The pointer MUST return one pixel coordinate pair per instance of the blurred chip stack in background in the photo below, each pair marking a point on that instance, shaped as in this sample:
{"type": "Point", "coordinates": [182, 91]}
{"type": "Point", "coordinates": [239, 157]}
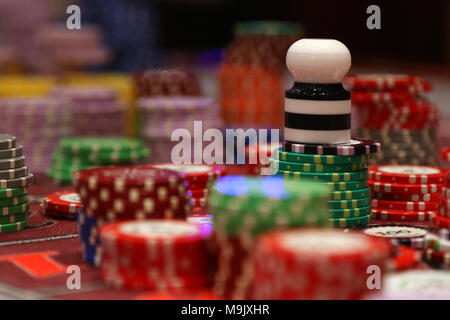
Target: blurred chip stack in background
{"type": "Point", "coordinates": [394, 111]}
{"type": "Point", "coordinates": [26, 85]}
{"type": "Point", "coordinates": [251, 77]}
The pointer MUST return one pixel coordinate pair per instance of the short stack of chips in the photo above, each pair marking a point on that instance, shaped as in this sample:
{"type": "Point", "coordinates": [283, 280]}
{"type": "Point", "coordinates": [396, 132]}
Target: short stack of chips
{"type": "Point", "coordinates": [315, 264]}
{"type": "Point", "coordinates": [43, 122]}
{"type": "Point", "coordinates": [437, 251]}
{"type": "Point", "coordinates": [75, 153]}
{"type": "Point", "coordinates": [155, 255]}
{"type": "Point", "coordinates": [393, 111]}
{"type": "Point", "coordinates": [406, 194]}
{"type": "Point", "coordinates": [96, 110]}
{"type": "Point", "coordinates": [161, 116]}
{"type": "Point", "coordinates": [245, 207]}
{"type": "Point", "coordinates": [61, 205]}
{"type": "Point", "coordinates": [14, 181]}
{"type": "Point", "coordinates": [125, 193]}
{"type": "Point", "coordinates": [199, 179]}
{"type": "Point", "coordinates": [251, 76]}
{"type": "Point", "coordinates": [318, 143]}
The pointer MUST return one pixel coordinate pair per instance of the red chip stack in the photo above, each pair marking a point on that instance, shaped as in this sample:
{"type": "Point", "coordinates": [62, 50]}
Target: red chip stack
{"type": "Point", "coordinates": [257, 158]}
{"type": "Point", "coordinates": [154, 254]}
{"type": "Point", "coordinates": [393, 110]}
{"type": "Point", "coordinates": [443, 218]}
{"type": "Point", "coordinates": [295, 264]}
{"type": "Point", "coordinates": [405, 194]}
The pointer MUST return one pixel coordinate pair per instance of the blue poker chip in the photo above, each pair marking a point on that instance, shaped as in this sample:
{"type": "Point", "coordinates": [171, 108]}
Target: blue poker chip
{"type": "Point", "coordinates": [89, 238]}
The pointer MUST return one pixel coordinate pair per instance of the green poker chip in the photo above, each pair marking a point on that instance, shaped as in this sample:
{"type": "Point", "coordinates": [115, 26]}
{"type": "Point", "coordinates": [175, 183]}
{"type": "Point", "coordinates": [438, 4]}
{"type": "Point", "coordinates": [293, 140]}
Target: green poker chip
{"type": "Point", "coordinates": [348, 204]}
{"type": "Point", "coordinates": [350, 222]}
{"type": "Point", "coordinates": [350, 213]}
{"type": "Point", "coordinates": [14, 218]}
{"type": "Point", "coordinates": [12, 192]}
{"type": "Point", "coordinates": [21, 208]}
{"type": "Point", "coordinates": [315, 168]}
{"type": "Point", "coordinates": [350, 194]}
{"type": "Point", "coordinates": [326, 177]}
{"type": "Point", "coordinates": [13, 227]}
{"type": "Point", "coordinates": [279, 154]}
{"type": "Point", "coordinates": [256, 204]}
{"type": "Point", "coordinates": [14, 201]}
{"type": "Point", "coordinates": [350, 185]}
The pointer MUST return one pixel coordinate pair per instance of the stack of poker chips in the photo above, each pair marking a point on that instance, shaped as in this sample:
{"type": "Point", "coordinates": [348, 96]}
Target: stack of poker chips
{"type": "Point", "coordinates": [43, 122]}
{"type": "Point", "coordinates": [199, 179]}
{"type": "Point", "coordinates": [161, 116]}
{"type": "Point", "coordinates": [125, 193]}
{"type": "Point", "coordinates": [243, 208]}
{"type": "Point", "coordinates": [155, 254]}
{"type": "Point", "coordinates": [251, 75]}
{"type": "Point", "coordinates": [76, 153]}
{"type": "Point", "coordinates": [406, 194]}
{"type": "Point", "coordinates": [393, 111]}
{"type": "Point", "coordinates": [61, 205]}
{"type": "Point", "coordinates": [96, 110]}
{"type": "Point", "coordinates": [318, 143]}
{"type": "Point", "coordinates": [14, 181]}
{"type": "Point", "coordinates": [315, 264]}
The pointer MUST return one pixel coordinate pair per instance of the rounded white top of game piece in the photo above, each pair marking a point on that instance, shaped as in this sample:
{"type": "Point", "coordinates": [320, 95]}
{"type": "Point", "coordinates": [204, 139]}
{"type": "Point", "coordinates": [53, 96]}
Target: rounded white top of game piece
{"type": "Point", "coordinates": [318, 60]}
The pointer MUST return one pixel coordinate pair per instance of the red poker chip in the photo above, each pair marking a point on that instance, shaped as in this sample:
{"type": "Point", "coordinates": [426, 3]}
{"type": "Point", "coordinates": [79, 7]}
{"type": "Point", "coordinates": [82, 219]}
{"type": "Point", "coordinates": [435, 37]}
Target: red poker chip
{"type": "Point", "coordinates": [362, 98]}
{"type": "Point", "coordinates": [445, 203]}
{"type": "Point", "coordinates": [408, 174]}
{"type": "Point", "coordinates": [406, 258]}
{"type": "Point", "coordinates": [404, 205]}
{"type": "Point", "coordinates": [67, 201]}
{"type": "Point", "coordinates": [406, 196]}
{"type": "Point", "coordinates": [198, 202]}
{"type": "Point", "coordinates": [437, 258]}
{"type": "Point", "coordinates": [444, 212]}
{"type": "Point", "coordinates": [445, 192]}
{"type": "Point", "coordinates": [445, 153]}
{"type": "Point", "coordinates": [398, 215]}
{"type": "Point", "coordinates": [387, 187]}
{"type": "Point", "coordinates": [197, 185]}
{"type": "Point", "coordinates": [198, 193]}
{"type": "Point", "coordinates": [441, 222]}
{"type": "Point", "coordinates": [58, 214]}
{"type": "Point", "coordinates": [385, 82]}
{"type": "Point", "coordinates": [195, 173]}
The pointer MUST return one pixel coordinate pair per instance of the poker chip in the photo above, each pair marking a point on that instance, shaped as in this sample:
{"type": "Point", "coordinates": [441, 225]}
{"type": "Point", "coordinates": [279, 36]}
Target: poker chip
{"type": "Point", "coordinates": [405, 205]}
{"type": "Point", "coordinates": [7, 141]}
{"type": "Point", "coordinates": [407, 174]}
{"type": "Point", "coordinates": [354, 147]}
{"type": "Point", "coordinates": [20, 208]}
{"type": "Point", "coordinates": [350, 194]}
{"type": "Point", "coordinates": [350, 213]}
{"type": "Point", "coordinates": [196, 173]}
{"type": "Point", "coordinates": [59, 214]}
{"type": "Point", "coordinates": [445, 153]}
{"type": "Point", "coordinates": [386, 187]}
{"type": "Point", "coordinates": [441, 222]}
{"type": "Point", "coordinates": [350, 222]}
{"type": "Point", "coordinates": [317, 158]}
{"type": "Point", "coordinates": [446, 191]}
{"type": "Point", "coordinates": [397, 215]}
{"type": "Point", "coordinates": [68, 201]}
{"type": "Point", "coordinates": [14, 173]}
{"type": "Point", "coordinates": [440, 259]}
{"type": "Point", "coordinates": [198, 193]}
{"type": "Point", "coordinates": [406, 196]}
{"type": "Point", "coordinates": [88, 228]}
{"type": "Point", "coordinates": [326, 177]}
{"type": "Point", "coordinates": [405, 258]}
{"type": "Point", "coordinates": [383, 82]}
{"type": "Point", "coordinates": [349, 185]}
{"type": "Point", "coordinates": [17, 182]}
{"type": "Point", "coordinates": [349, 204]}
{"type": "Point", "coordinates": [13, 227]}
{"type": "Point", "coordinates": [12, 163]}
{"type": "Point", "coordinates": [17, 151]}
{"type": "Point", "coordinates": [14, 218]}
{"type": "Point", "coordinates": [179, 259]}
{"type": "Point", "coordinates": [12, 192]}
{"type": "Point", "coordinates": [315, 168]}
{"type": "Point", "coordinates": [282, 256]}
{"type": "Point", "coordinates": [14, 201]}
{"type": "Point", "coordinates": [444, 212]}
{"type": "Point", "coordinates": [437, 243]}
{"type": "Point", "coordinates": [396, 232]}
{"type": "Point", "coordinates": [198, 202]}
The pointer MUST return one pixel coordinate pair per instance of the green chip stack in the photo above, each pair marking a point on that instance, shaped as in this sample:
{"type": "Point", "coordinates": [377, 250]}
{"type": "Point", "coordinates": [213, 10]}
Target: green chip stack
{"type": "Point", "coordinates": [76, 153]}
{"type": "Point", "coordinates": [244, 207]}
{"type": "Point", "coordinates": [346, 176]}
{"type": "Point", "coordinates": [14, 181]}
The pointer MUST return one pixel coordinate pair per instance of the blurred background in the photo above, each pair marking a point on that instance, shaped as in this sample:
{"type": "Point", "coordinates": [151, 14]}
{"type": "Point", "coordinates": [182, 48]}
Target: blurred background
{"type": "Point", "coordinates": [228, 51]}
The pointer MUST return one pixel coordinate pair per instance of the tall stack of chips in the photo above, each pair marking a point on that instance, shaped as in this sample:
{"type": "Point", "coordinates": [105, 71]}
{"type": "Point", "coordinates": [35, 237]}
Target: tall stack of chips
{"type": "Point", "coordinates": [14, 181]}
{"type": "Point", "coordinates": [393, 111]}
{"type": "Point", "coordinates": [43, 121]}
{"type": "Point", "coordinates": [161, 116]}
{"type": "Point", "coordinates": [318, 143]}
{"type": "Point", "coordinates": [125, 193]}
{"type": "Point", "coordinates": [407, 194]}
{"type": "Point", "coordinates": [76, 153]}
{"type": "Point", "coordinates": [96, 110]}
{"type": "Point", "coordinates": [244, 208]}
{"type": "Point", "coordinates": [251, 77]}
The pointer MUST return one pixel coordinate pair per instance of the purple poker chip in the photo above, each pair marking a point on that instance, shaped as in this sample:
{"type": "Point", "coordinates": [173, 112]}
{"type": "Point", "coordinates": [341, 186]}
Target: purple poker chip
{"type": "Point", "coordinates": [355, 146]}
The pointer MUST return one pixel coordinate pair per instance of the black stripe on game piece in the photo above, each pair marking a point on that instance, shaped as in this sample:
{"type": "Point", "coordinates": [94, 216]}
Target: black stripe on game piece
{"type": "Point", "coordinates": [317, 91]}
{"type": "Point", "coordinates": [324, 122]}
